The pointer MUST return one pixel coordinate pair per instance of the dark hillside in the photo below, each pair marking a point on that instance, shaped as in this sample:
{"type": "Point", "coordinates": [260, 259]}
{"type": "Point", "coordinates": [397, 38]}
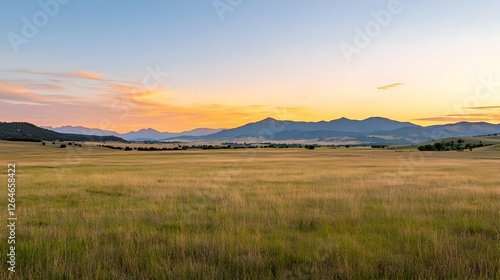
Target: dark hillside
{"type": "Point", "coordinates": [22, 131]}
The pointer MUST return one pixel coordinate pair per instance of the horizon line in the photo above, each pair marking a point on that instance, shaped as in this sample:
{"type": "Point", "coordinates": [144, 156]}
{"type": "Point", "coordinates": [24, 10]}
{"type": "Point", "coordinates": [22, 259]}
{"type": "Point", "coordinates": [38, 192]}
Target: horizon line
{"type": "Point", "coordinates": [261, 120]}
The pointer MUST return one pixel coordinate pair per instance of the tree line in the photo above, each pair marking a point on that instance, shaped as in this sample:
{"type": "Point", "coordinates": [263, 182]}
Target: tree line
{"type": "Point", "coordinates": [459, 145]}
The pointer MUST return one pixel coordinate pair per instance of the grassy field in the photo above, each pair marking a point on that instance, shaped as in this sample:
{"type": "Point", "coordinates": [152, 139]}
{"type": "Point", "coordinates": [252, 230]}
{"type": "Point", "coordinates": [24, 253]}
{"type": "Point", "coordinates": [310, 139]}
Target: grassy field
{"type": "Point", "coordinates": [96, 213]}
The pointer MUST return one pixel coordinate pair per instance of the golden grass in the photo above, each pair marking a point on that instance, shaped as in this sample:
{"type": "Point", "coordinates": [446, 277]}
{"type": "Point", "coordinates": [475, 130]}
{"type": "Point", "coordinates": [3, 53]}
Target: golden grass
{"type": "Point", "coordinates": [96, 213]}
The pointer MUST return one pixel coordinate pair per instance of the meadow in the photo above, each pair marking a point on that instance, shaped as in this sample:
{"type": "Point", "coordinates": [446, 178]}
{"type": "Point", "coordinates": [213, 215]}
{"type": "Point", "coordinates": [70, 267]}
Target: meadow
{"type": "Point", "coordinates": [96, 213]}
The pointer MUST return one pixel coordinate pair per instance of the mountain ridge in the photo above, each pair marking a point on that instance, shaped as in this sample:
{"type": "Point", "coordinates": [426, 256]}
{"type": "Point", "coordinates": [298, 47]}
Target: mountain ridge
{"type": "Point", "coordinates": [271, 126]}
{"type": "Point", "coordinates": [372, 130]}
{"type": "Point", "coordinates": [144, 134]}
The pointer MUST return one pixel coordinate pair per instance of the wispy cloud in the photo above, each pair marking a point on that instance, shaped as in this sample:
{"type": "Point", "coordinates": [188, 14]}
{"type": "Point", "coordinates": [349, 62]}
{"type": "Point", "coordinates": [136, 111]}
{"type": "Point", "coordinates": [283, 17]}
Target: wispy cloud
{"type": "Point", "coordinates": [486, 114]}
{"type": "Point", "coordinates": [468, 115]}
{"type": "Point", "coordinates": [30, 84]}
{"type": "Point", "coordinates": [386, 87]}
{"type": "Point", "coordinates": [14, 94]}
{"type": "Point", "coordinates": [484, 108]}
{"type": "Point", "coordinates": [18, 102]}
{"type": "Point", "coordinates": [89, 99]}
{"type": "Point", "coordinates": [7, 88]}
{"type": "Point", "coordinates": [77, 74]}
{"type": "Point", "coordinates": [85, 75]}
{"type": "Point", "coordinates": [493, 118]}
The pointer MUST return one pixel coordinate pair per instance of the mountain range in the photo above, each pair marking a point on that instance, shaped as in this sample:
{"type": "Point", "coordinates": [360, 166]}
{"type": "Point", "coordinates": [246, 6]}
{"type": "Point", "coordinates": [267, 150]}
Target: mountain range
{"type": "Point", "coordinates": [147, 134]}
{"type": "Point", "coordinates": [374, 130]}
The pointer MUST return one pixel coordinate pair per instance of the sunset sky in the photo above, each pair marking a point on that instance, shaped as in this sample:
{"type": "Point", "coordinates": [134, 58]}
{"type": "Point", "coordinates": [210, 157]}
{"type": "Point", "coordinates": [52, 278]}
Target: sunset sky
{"type": "Point", "coordinates": [179, 65]}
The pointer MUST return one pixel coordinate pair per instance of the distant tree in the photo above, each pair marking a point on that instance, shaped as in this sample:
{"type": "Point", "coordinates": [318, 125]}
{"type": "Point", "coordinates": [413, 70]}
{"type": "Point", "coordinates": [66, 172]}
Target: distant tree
{"type": "Point", "coordinates": [62, 146]}
{"type": "Point", "coordinates": [460, 141]}
{"type": "Point", "coordinates": [43, 143]}
{"type": "Point", "coordinates": [347, 146]}
{"type": "Point", "coordinates": [380, 146]}
{"type": "Point", "coordinates": [439, 146]}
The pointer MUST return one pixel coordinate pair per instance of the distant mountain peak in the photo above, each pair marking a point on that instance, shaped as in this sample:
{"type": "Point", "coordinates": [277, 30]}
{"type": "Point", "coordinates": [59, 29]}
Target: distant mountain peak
{"type": "Point", "coordinates": [378, 118]}
{"type": "Point", "coordinates": [149, 129]}
{"type": "Point", "coordinates": [76, 126]}
{"type": "Point", "coordinates": [269, 119]}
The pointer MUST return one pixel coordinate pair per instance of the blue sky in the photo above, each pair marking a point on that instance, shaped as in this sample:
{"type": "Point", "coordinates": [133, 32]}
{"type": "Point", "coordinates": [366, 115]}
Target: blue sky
{"type": "Point", "coordinates": [264, 58]}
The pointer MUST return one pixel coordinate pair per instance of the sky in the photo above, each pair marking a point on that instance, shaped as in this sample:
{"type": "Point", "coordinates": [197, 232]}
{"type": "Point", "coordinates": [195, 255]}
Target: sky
{"type": "Point", "coordinates": [179, 65]}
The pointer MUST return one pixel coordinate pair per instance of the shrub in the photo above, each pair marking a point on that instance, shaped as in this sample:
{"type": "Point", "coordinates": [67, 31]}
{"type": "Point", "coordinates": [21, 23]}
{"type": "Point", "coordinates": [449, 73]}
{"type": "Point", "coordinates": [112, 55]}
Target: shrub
{"type": "Point", "coordinates": [439, 146]}
{"type": "Point", "coordinates": [378, 146]}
